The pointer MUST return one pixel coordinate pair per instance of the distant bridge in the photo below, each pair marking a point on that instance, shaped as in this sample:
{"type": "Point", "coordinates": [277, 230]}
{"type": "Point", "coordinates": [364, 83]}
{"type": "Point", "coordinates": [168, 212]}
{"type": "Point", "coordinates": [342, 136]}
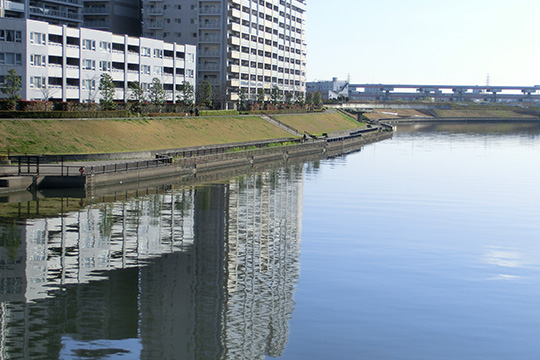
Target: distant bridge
{"type": "Point", "coordinates": [387, 92]}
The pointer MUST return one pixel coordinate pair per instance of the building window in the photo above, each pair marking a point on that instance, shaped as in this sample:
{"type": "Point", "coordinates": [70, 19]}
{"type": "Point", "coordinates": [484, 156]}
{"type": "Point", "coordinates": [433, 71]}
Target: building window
{"type": "Point", "coordinates": [189, 73]}
{"type": "Point", "coordinates": [105, 65]}
{"type": "Point", "coordinates": [89, 64]}
{"type": "Point", "coordinates": [158, 53]}
{"type": "Point", "coordinates": [10, 59]}
{"type": "Point", "coordinates": [105, 46]}
{"type": "Point", "coordinates": [89, 84]}
{"type": "Point", "coordinates": [145, 69]}
{"type": "Point", "coordinates": [158, 70]}
{"type": "Point", "coordinates": [145, 51]}
{"type": "Point", "coordinates": [10, 36]}
{"type": "Point", "coordinates": [37, 38]}
{"type": "Point", "coordinates": [38, 60]}
{"type": "Point", "coordinates": [89, 44]}
{"type": "Point", "coordinates": [37, 82]}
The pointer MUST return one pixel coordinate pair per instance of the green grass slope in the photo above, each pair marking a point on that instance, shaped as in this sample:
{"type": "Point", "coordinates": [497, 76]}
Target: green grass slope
{"type": "Point", "coordinates": [103, 136]}
{"type": "Point", "coordinates": [317, 123]}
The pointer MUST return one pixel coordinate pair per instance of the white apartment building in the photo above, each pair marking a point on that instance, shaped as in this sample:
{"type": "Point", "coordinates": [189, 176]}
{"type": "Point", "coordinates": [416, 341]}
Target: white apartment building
{"type": "Point", "coordinates": [62, 63]}
{"type": "Point", "coordinates": [242, 44]}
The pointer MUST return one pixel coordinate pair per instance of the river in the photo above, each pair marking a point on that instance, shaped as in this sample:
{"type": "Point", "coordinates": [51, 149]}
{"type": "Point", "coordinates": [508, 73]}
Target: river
{"type": "Point", "coordinates": [424, 246]}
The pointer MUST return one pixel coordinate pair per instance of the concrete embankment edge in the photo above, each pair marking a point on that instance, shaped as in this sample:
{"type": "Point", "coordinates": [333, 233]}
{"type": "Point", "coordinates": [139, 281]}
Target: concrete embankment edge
{"type": "Point", "coordinates": [201, 164]}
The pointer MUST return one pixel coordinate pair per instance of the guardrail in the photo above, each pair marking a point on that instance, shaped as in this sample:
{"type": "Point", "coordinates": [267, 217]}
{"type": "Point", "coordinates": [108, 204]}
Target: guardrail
{"type": "Point", "coordinates": [129, 166]}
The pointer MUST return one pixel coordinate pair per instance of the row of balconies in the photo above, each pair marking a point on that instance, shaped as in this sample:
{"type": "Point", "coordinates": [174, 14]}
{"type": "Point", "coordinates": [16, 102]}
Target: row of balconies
{"type": "Point", "coordinates": [13, 6]}
{"type": "Point", "coordinates": [51, 13]}
{"type": "Point", "coordinates": [101, 10]}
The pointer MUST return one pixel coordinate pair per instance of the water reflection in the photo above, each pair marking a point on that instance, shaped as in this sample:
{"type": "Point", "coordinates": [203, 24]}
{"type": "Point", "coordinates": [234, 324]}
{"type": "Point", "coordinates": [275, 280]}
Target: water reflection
{"type": "Point", "coordinates": [197, 273]}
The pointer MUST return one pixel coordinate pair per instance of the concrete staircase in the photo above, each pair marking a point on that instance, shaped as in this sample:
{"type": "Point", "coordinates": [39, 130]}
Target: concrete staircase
{"type": "Point", "coordinates": [281, 125]}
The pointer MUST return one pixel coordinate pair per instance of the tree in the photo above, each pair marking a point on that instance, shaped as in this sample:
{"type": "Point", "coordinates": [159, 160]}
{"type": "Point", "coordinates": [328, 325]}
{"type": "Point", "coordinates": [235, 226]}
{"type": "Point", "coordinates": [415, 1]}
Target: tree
{"type": "Point", "coordinates": [106, 88]}
{"type": "Point", "coordinates": [299, 98]}
{"type": "Point", "coordinates": [137, 95]}
{"type": "Point", "coordinates": [317, 99]}
{"type": "Point", "coordinates": [309, 99]}
{"type": "Point", "coordinates": [156, 93]}
{"type": "Point", "coordinates": [11, 87]}
{"type": "Point", "coordinates": [242, 100]}
{"type": "Point", "coordinates": [288, 97]}
{"type": "Point", "coordinates": [206, 94]}
{"type": "Point", "coordinates": [260, 96]}
{"type": "Point", "coordinates": [275, 96]}
{"type": "Point", "coordinates": [186, 97]}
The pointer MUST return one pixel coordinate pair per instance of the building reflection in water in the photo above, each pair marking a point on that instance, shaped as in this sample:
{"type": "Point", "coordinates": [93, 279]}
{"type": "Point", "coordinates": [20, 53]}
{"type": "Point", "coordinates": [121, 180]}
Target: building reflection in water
{"type": "Point", "coordinates": [201, 273]}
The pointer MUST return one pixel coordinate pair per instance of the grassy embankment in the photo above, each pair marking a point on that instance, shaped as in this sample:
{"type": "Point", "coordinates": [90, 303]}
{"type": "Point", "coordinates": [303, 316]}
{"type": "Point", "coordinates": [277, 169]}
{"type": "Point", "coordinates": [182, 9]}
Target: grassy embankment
{"type": "Point", "coordinates": [482, 112]}
{"type": "Point", "coordinates": [318, 123]}
{"type": "Point", "coordinates": [103, 136]}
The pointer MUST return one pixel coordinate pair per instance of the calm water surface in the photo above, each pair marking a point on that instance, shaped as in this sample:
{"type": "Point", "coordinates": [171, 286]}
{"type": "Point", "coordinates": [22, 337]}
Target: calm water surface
{"type": "Point", "coordinates": [425, 246]}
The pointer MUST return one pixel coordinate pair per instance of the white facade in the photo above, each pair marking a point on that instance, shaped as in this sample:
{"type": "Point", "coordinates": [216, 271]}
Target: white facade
{"type": "Point", "coordinates": [245, 44]}
{"type": "Point", "coordinates": [62, 63]}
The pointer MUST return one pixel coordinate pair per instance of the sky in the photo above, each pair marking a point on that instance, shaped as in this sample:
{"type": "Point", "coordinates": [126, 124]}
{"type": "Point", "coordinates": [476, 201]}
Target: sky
{"type": "Point", "coordinates": [445, 42]}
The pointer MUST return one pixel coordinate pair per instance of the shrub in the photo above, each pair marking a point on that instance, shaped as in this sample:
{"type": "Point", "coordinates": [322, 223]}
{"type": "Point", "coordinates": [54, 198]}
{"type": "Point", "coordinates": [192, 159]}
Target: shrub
{"type": "Point", "coordinates": [63, 114]}
{"type": "Point", "coordinates": [35, 105]}
{"type": "Point", "coordinates": [218, 112]}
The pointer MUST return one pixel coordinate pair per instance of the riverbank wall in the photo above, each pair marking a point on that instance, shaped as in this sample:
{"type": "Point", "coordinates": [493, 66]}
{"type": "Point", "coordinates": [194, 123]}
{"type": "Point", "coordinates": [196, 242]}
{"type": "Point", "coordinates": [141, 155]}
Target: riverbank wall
{"type": "Point", "coordinates": [182, 166]}
{"type": "Point", "coordinates": [462, 120]}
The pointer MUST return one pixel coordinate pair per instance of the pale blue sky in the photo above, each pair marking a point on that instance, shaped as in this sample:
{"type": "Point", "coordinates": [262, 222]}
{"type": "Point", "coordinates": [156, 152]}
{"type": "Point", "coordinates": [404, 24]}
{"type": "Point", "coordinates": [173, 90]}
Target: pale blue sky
{"type": "Point", "coordinates": [425, 41]}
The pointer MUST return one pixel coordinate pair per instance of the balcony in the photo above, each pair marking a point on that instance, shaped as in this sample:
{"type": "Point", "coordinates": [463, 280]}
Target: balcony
{"type": "Point", "coordinates": [57, 14]}
{"type": "Point", "coordinates": [103, 10]}
{"type": "Point", "coordinates": [209, 53]}
{"type": "Point", "coordinates": [234, 69]}
{"type": "Point", "coordinates": [210, 25]}
{"type": "Point", "coordinates": [233, 40]}
{"type": "Point", "coordinates": [209, 67]}
{"type": "Point", "coordinates": [67, 2]}
{"type": "Point", "coordinates": [209, 11]}
{"type": "Point", "coordinates": [235, 27]}
{"type": "Point", "coordinates": [210, 38]}
{"type": "Point", "coordinates": [233, 54]}
{"type": "Point", "coordinates": [97, 24]}
{"type": "Point", "coordinates": [235, 14]}
{"type": "Point", "coordinates": [234, 83]}
{"type": "Point", "coordinates": [155, 11]}
{"type": "Point", "coordinates": [155, 25]}
{"type": "Point", "coordinates": [13, 6]}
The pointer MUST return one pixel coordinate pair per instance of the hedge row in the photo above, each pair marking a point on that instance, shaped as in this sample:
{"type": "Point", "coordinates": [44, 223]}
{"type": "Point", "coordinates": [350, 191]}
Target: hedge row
{"type": "Point", "coordinates": [63, 114]}
{"type": "Point", "coordinates": [218, 112]}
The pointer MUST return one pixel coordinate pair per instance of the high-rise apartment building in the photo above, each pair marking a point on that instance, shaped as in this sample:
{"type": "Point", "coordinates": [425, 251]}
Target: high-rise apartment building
{"type": "Point", "coordinates": [242, 44]}
{"type": "Point", "coordinates": [117, 16]}
{"type": "Point", "coordinates": [60, 12]}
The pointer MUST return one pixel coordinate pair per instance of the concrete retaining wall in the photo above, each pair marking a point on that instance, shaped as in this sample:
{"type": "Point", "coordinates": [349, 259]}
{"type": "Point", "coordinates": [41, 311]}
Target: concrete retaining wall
{"type": "Point", "coordinates": [250, 158]}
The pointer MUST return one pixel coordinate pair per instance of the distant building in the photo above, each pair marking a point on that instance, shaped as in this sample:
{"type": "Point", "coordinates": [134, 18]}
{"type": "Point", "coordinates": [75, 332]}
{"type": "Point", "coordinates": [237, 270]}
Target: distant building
{"type": "Point", "coordinates": [68, 12]}
{"type": "Point", "coordinates": [330, 90]}
{"type": "Point", "coordinates": [63, 63]}
{"type": "Point", "coordinates": [246, 45]}
{"type": "Point", "coordinates": [118, 16]}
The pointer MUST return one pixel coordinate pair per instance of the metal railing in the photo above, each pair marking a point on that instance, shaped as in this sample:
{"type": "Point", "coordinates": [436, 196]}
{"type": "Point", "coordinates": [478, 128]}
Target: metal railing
{"type": "Point", "coordinates": [129, 166]}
